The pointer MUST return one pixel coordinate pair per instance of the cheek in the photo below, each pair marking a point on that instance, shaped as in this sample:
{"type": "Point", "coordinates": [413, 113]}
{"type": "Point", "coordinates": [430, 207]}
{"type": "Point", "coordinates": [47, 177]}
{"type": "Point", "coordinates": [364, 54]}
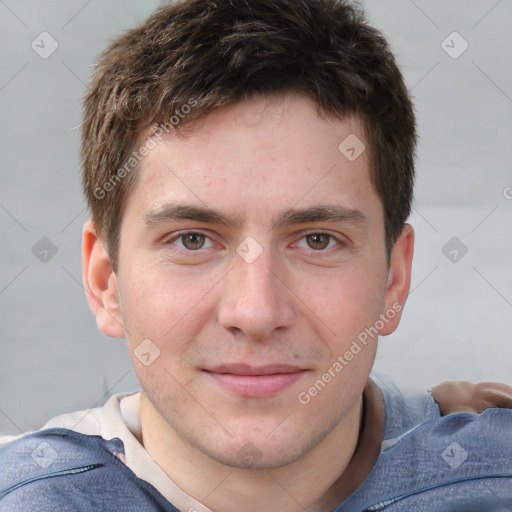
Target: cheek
{"type": "Point", "coordinates": [346, 301]}
{"type": "Point", "coordinates": [163, 306]}
{"type": "Point", "coordinates": [170, 308]}
{"type": "Point", "coordinates": [160, 312]}
{"type": "Point", "coordinates": [349, 308]}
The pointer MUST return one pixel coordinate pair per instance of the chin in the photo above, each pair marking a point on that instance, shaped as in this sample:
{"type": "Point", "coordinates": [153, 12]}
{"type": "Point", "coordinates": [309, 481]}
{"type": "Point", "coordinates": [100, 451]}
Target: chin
{"type": "Point", "coordinates": [262, 448]}
{"type": "Point", "coordinates": [260, 456]}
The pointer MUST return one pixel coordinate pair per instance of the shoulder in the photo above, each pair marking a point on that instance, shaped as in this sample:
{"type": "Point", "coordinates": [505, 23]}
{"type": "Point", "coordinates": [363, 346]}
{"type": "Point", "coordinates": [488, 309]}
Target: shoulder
{"type": "Point", "coordinates": [70, 471]}
{"type": "Point", "coordinates": [420, 422]}
{"type": "Point", "coordinates": [462, 460]}
{"type": "Point", "coordinates": [405, 410]}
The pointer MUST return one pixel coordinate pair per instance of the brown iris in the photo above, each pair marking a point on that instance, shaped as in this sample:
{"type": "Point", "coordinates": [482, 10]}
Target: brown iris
{"type": "Point", "coordinates": [193, 241]}
{"type": "Point", "coordinates": [318, 241]}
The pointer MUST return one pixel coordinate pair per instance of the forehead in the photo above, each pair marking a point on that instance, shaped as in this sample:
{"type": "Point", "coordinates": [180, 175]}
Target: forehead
{"type": "Point", "coordinates": [258, 156]}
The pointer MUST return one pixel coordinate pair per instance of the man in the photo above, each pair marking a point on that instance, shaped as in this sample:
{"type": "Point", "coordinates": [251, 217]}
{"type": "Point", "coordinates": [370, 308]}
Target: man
{"type": "Point", "coordinates": [249, 171]}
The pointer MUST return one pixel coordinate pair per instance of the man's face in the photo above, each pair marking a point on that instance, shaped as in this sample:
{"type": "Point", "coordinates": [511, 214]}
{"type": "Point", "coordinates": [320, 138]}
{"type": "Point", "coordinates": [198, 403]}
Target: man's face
{"type": "Point", "coordinates": [248, 316]}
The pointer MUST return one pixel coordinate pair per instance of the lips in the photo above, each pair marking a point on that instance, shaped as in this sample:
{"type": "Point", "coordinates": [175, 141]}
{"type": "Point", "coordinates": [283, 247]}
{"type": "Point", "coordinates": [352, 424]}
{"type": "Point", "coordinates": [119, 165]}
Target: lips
{"type": "Point", "coordinates": [245, 369]}
{"type": "Point", "coordinates": [255, 381]}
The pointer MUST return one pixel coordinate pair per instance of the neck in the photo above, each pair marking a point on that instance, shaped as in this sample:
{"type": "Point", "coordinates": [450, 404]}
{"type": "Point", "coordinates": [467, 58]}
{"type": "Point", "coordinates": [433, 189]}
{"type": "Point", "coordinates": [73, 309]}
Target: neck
{"type": "Point", "coordinates": [291, 488]}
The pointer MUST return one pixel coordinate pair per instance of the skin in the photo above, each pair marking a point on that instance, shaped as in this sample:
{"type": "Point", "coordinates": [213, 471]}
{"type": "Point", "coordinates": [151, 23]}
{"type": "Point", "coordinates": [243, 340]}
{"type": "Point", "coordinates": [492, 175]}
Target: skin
{"type": "Point", "coordinates": [301, 302]}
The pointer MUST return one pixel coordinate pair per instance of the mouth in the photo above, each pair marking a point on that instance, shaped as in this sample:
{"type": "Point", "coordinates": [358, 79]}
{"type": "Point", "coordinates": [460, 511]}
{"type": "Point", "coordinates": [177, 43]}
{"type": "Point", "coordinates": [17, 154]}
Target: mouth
{"type": "Point", "coordinates": [255, 381]}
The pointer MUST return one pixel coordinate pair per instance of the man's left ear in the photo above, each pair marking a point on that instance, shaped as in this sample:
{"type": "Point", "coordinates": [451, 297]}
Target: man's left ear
{"type": "Point", "coordinates": [399, 279]}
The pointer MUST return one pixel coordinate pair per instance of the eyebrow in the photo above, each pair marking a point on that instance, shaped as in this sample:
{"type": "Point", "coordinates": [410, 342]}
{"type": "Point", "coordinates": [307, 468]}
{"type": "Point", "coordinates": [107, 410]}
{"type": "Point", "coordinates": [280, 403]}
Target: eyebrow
{"type": "Point", "coordinates": [292, 216]}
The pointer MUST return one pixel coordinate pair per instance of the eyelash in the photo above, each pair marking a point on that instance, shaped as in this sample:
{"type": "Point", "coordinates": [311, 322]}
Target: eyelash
{"type": "Point", "coordinates": [180, 236]}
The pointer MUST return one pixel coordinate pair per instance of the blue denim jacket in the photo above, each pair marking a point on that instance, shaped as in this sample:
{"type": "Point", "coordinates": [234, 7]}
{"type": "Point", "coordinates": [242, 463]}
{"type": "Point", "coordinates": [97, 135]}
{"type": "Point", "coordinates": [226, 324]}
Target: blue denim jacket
{"type": "Point", "coordinates": [457, 463]}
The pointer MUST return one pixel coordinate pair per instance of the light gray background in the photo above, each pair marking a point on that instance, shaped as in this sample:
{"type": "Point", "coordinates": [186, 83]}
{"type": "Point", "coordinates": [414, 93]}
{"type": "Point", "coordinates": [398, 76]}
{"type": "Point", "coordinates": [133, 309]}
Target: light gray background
{"type": "Point", "coordinates": [458, 320]}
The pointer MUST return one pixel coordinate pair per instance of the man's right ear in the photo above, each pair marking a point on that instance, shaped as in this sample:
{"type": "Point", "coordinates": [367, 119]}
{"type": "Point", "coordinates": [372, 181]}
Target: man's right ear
{"type": "Point", "coordinates": [100, 283]}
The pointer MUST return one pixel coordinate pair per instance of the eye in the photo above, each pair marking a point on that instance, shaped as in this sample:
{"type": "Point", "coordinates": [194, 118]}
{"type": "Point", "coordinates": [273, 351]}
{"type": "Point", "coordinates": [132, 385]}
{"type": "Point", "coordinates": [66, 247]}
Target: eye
{"type": "Point", "coordinates": [320, 241]}
{"type": "Point", "coordinates": [191, 241]}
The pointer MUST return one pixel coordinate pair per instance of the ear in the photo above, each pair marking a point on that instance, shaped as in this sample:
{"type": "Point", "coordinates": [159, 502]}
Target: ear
{"type": "Point", "coordinates": [399, 279]}
{"type": "Point", "coordinates": [100, 283]}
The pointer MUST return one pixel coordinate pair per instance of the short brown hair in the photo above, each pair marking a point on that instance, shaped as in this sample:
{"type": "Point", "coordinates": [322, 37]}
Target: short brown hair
{"type": "Point", "coordinates": [212, 53]}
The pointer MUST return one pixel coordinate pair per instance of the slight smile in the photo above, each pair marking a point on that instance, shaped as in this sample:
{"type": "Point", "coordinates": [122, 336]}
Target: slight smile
{"type": "Point", "coordinates": [256, 381]}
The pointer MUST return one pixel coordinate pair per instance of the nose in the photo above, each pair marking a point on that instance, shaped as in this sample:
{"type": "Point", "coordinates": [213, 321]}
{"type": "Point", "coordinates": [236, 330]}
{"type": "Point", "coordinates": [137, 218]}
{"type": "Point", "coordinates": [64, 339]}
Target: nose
{"type": "Point", "coordinates": [256, 299]}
